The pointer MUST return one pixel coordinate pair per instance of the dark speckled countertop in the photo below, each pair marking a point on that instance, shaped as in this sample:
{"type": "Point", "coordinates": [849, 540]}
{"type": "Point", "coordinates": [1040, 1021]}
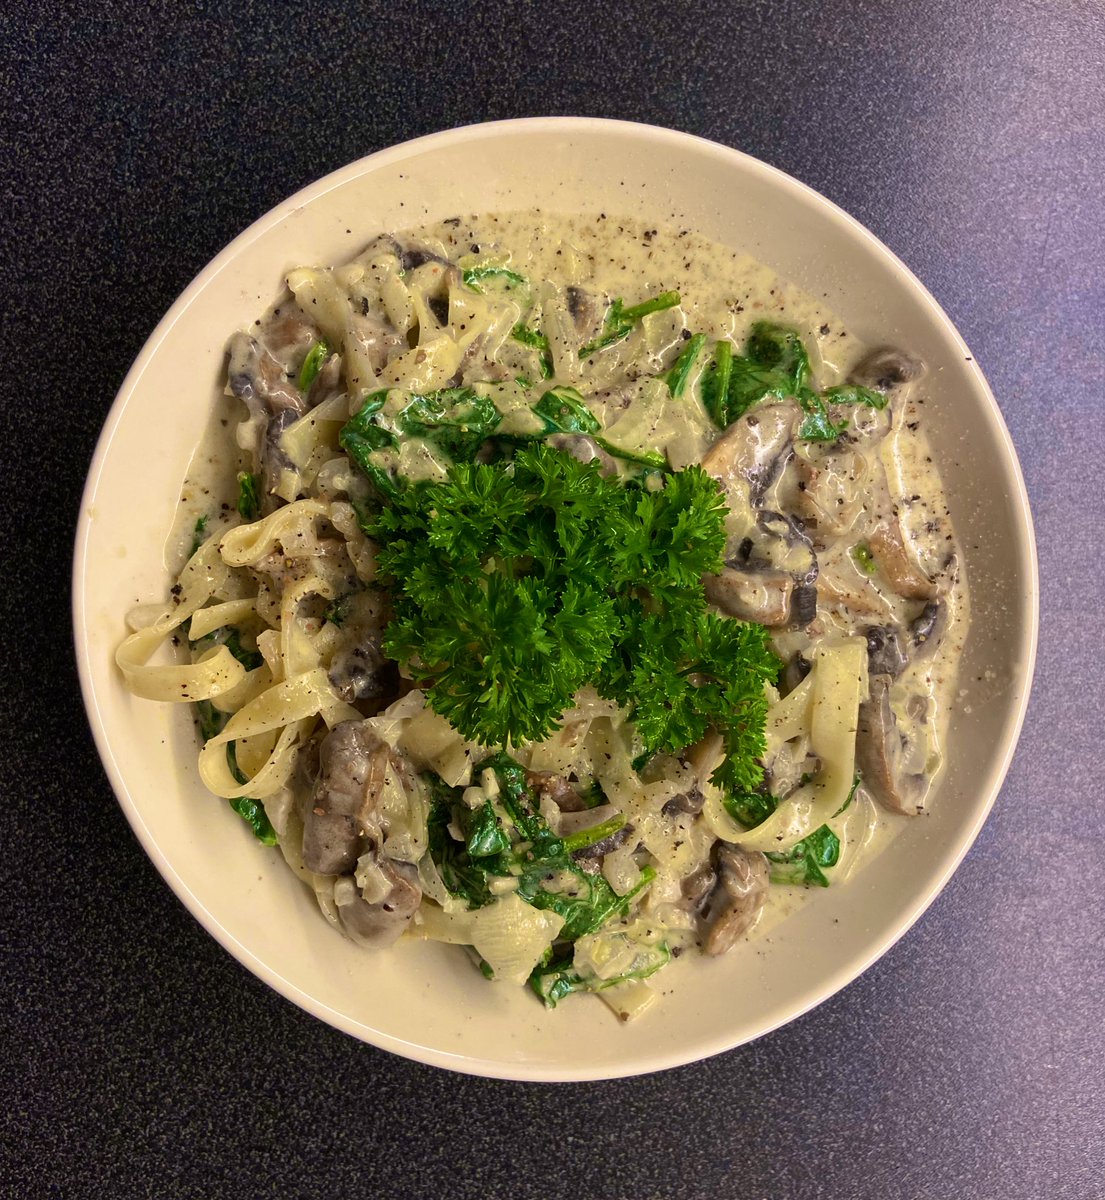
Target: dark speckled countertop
{"type": "Point", "coordinates": [139, 1059]}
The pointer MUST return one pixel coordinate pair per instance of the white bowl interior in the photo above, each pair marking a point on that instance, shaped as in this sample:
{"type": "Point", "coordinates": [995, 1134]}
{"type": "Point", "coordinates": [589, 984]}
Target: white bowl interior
{"type": "Point", "coordinates": [422, 1000]}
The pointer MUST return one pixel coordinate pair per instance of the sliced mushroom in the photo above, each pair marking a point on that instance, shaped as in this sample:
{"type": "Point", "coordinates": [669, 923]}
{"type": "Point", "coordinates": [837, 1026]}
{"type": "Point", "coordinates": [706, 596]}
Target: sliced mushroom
{"type": "Point", "coordinates": [897, 564]}
{"type": "Point", "coordinates": [928, 629]}
{"type": "Point", "coordinates": [257, 378]}
{"type": "Point", "coordinates": [797, 668]}
{"type": "Point", "coordinates": [760, 596]}
{"type": "Point", "coordinates": [737, 898]}
{"type": "Point", "coordinates": [886, 369]}
{"type": "Point", "coordinates": [597, 852]}
{"type": "Point", "coordinates": [587, 310]}
{"type": "Point", "coordinates": [689, 802]}
{"type": "Point", "coordinates": [557, 789]}
{"type": "Point", "coordinates": [288, 336]}
{"type": "Point", "coordinates": [379, 923]}
{"type": "Point", "coordinates": [276, 466]}
{"type": "Point", "coordinates": [771, 579]}
{"type": "Point", "coordinates": [880, 754]}
{"type": "Point", "coordinates": [359, 670]}
{"type": "Point", "coordinates": [362, 672]}
{"type": "Point", "coordinates": [885, 655]}
{"type": "Point", "coordinates": [411, 254]}
{"type": "Point", "coordinates": [340, 818]}
{"type": "Point", "coordinates": [698, 887]}
{"type": "Point", "coordinates": [748, 451]}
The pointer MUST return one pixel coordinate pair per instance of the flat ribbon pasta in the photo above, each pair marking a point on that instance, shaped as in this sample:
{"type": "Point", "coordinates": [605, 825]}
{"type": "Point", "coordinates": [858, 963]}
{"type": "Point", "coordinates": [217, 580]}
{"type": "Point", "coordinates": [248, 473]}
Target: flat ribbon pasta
{"type": "Point", "coordinates": [204, 575]}
{"type": "Point", "coordinates": [288, 527]}
{"type": "Point", "coordinates": [833, 690]}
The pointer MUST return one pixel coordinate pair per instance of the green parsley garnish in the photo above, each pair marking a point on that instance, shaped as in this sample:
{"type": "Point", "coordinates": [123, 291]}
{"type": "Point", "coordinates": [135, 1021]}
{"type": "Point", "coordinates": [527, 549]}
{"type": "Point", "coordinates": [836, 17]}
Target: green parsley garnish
{"type": "Point", "coordinates": [516, 583]}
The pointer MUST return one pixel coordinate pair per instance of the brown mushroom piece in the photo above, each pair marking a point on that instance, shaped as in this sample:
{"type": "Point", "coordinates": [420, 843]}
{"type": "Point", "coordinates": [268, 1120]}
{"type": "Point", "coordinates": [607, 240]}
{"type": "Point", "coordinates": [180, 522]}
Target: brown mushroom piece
{"type": "Point", "coordinates": [259, 380]}
{"type": "Point", "coordinates": [689, 802]}
{"type": "Point", "coordinates": [590, 857]}
{"type": "Point", "coordinates": [885, 655]}
{"type": "Point", "coordinates": [378, 924]}
{"type": "Point", "coordinates": [361, 672]}
{"type": "Point", "coordinates": [737, 897]}
{"type": "Point", "coordinates": [557, 789]}
{"type": "Point", "coordinates": [927, 630]}
{"type": "Point", "coordinates": [751, 451]}
{"type": "Point", "coordinates": [359, 669]}
{"type": "Point", "coordinates": [340, 820]}
{"type": "Point", "coordinates": [763, 597]}
{"type": "Point", "coordinates": [587, 310]}
{"type": "Point", "coordinates": [698, 887]}
{"type": "Point", "coordinates": [772, 578]}
{"type": "Point", "coordinates": [410, 253]}
{"type": "Point", "coordinates": [880, 754]}
{"type": "Point", "coordinates": [288, 336]}
{"type": "Point", "coordinates": [886, 369]}
{"type": "Point", "coordinates": [897, 564]}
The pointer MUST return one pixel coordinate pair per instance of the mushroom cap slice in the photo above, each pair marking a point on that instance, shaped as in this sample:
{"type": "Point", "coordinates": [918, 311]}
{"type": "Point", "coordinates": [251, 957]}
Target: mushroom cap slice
{"type": "Point", "coordinates": [880, 754]}
{"type": "Point", "coordinates": [737, 898]}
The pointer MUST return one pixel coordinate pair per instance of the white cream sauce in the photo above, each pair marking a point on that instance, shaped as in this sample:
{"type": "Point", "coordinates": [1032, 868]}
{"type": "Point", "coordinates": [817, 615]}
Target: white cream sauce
{"type": "Point", "coordinates": [722, 294]}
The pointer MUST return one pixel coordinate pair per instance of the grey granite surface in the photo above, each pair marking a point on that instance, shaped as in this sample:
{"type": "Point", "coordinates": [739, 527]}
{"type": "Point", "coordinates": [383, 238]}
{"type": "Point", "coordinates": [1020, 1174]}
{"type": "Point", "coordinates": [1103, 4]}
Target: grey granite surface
{"type": "Point", "coordinates": [138, 1058]}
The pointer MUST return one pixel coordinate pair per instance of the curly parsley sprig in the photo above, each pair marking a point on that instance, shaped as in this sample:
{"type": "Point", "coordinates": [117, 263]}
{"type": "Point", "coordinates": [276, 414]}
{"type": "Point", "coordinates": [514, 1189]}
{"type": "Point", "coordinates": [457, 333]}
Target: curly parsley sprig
{"type": "Point", "coordinates": [516, 583]}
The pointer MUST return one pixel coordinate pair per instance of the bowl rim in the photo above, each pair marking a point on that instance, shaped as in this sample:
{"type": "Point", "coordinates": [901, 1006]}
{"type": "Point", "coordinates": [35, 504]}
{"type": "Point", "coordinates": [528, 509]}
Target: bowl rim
{"type": "Point", "coordinates": [827, 986]}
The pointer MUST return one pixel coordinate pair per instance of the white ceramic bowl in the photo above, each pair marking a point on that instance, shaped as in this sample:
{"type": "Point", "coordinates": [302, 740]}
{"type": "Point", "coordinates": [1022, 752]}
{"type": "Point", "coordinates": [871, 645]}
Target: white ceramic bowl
{"type": "Point", "coordinates": [422, 1000]}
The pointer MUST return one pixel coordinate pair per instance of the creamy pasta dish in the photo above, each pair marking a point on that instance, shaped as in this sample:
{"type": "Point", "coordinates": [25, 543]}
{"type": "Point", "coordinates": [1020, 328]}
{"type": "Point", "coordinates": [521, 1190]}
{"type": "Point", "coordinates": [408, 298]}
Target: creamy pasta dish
{"type": "Point", "coordinates": [566, 589]}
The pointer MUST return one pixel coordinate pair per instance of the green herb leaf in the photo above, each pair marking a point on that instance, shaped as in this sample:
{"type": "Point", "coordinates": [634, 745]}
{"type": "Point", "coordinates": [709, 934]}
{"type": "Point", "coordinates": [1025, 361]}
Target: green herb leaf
{"type": "Point", "coordinates": [198, 534]}
{"type": "Point", "coordinates": [564, 410]}
{"type": "Point", "coordinates": [619, 321]}
{"type": "Point", "coordinates": [253, 813]}
{"type": "Point", "coordinates": [461, 876]}
{"type": "Point", "coordinates": [653, 460]}
{"type": "Point", "coordinates": [780, 349]}
{"type": "Point", "coordinates": [249, 499]}
{"type": "Point", "coordinates": [474, 277]}
{"type": "Point", "coordinates": [817, 425]}
{"type": "Point", "coordinates": [458, 420]}
{"type": "Point", "coordinates": [750, 808]}
{"type": "Point", "coordinates": [588, 837]}
{"type": "Point", "coordinates": [851, 393]}
{"type": "Point", "coordinates": [680, 372]}
{"type": "Point", "coordinates": [554, 980]}
{"type": "Point", "coordinates": [535, 341]}
{"type": "Point", "coordinates": [864, 559]}
{"type": "Point", "coordinates": [312, 364]}
{"type": "Point", "coordinates": [807, 860]}
{"type": "Point", "coordinates": [485, 835]}
{"type": "Point", "coordinates": [715, 383]}
{"type": "Point", "coordinates": [851, 794]}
